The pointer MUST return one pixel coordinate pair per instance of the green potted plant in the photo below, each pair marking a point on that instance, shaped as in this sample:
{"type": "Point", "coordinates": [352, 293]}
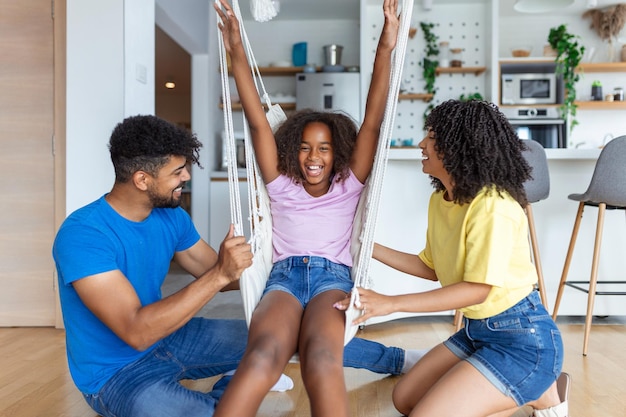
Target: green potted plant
{"type": "Point", "coordinates": [471, 96]}
{"type": "Point", "coordinates": [430, 62]}
{"type": "Point", "coordinates": [569, 53]}
{"type": "Point", "coordinates": [596, 90]}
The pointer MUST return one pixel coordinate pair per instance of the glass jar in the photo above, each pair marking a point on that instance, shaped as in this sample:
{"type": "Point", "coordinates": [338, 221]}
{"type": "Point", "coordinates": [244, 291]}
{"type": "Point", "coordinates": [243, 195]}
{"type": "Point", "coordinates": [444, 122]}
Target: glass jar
{"type": "Point", "coordinates": [618, 94]}
{"type": "Point", "coordinates": [444, 54]}
{"type": "Point", "coordinates": [456, 57]}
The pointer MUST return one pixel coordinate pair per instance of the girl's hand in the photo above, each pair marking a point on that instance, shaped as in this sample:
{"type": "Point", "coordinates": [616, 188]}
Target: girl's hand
{"type": "Point", "coordinates": [389, 35]}
{"type": "Point", "coordinates": [229, 26]}
{"type": "Point", "coordinates": [371, 304]}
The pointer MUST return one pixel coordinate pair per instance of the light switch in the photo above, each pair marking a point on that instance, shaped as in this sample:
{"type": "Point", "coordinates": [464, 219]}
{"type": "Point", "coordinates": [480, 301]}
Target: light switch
{"type": "Point", "coordinates": [141, 73]}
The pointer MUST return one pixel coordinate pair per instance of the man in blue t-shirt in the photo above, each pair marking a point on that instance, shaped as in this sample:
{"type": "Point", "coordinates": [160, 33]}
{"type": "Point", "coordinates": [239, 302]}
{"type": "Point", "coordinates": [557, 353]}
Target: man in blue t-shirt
{"type": "Point", "coordinates": [127, 346]}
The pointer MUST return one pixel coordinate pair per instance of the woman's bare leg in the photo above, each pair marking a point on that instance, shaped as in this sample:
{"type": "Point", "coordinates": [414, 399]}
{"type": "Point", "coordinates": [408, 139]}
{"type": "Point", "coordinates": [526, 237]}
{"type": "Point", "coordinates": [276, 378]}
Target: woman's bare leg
{"type": "Point", "coordinates": [272, 341]}
{"type": "Point", "coordinates": [550, 398]}
{"type": "Point", "coordinates": [463, 391]}
{"type": "Point", "coordinates": [321, 355]}
{"type": "Point", "coordinates": [415, 384]}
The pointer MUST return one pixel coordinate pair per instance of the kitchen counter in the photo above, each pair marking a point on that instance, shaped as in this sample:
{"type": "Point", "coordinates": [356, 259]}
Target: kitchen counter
{"type": "Point", "coordinates": [223, 175]}
{"type": "Point", "coordinates": [410, 153]}
{"type": "Point", "coordinates": [402, 223]}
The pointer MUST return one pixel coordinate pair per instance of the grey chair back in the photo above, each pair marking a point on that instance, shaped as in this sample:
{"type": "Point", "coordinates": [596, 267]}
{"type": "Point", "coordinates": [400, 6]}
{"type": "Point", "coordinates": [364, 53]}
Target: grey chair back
{"type": "Point", "coordinates": [538, 187]}
{"type": "Point", "coordinates": [608, 182]}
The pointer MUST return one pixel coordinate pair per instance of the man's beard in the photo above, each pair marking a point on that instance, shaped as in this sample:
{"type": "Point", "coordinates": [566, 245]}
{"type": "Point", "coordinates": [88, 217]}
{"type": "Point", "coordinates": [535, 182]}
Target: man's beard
{"type": "Point", "coordinates": [162, 201]}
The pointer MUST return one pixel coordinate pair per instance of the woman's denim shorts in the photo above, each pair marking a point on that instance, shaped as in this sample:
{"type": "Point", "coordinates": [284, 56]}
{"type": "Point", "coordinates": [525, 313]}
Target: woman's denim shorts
{"type": "Point", "coordinates": [304, 277]}
{"type": "Point", "coordinates": [519, 351]}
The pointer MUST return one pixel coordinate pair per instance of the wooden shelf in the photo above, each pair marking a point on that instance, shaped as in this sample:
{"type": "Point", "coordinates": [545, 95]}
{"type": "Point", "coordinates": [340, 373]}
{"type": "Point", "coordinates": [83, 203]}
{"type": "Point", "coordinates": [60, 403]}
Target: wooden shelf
{"type": "Point", "coordinates": [529, 106]}
{"type": "Point", "coordinates": [602, 67]}
{"type": "Point", "coordinates": [460, 70]}
{"type": "Point", "coordinates": [238, 107]}
{"type": "Point", "coordinates": [280, 71]}
{"type": "Point", "coordinates": [426, 97]}
{"type": "Point", "coordinates": [601, 105]}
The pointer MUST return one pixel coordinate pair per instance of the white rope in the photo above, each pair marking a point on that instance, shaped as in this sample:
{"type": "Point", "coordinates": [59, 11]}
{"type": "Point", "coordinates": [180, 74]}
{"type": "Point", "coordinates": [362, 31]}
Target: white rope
{"type": "Point", "coordinates": [231, 157]}
{"type": "Point", "coordinates": [263, 10]}
{"type": "Point", "coordinates": [364, 228]}
{"type": "Point", "coordinates": [253, 279]}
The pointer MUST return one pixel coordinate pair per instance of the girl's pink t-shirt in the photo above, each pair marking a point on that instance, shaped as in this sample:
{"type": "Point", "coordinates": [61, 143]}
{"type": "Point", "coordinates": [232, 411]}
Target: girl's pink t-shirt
{"type": "Point", "coordinates": [313, 226]}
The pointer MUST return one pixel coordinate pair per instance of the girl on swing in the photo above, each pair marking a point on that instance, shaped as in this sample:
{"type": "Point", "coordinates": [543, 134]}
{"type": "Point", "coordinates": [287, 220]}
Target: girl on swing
{"type": "Point", "coordinates": [314, 169]}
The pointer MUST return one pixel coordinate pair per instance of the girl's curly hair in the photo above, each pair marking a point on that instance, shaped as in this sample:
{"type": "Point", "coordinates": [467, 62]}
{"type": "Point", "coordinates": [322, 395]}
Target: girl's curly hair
{"type": "Point", "coordinates": [479, 148]}
{"type": "Point", "coordinates": [289, 138]}
{"type": "Point", "coordinates": [146, 143]}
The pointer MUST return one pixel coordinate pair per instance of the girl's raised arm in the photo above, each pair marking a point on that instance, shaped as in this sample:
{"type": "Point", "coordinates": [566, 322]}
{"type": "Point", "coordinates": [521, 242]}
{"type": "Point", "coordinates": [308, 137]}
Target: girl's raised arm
{"type": "Point", "coordinates": [367, 139]}
{"type": "Point", "coordinates": [262, 136]}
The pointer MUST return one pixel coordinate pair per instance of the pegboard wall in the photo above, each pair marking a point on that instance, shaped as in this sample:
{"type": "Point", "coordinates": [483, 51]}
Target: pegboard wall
{"type": "Point", "coordinates": [464, 26]}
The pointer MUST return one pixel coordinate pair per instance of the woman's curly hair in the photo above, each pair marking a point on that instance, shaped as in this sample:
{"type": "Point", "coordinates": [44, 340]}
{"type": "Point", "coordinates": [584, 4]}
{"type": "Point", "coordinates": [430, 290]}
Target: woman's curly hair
{"type": "Point", "coordinates": [479, 148]}
{"type": "Point", "coordinates": [289, 139]}
{"type": "Point", "coordinates": [146, 143]}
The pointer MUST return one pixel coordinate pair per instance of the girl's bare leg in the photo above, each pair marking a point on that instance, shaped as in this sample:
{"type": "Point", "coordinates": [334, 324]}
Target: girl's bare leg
{"type": "Point", "coordinates": [272, 342]}
{"type": "Point", "coordinates": [321, 355]}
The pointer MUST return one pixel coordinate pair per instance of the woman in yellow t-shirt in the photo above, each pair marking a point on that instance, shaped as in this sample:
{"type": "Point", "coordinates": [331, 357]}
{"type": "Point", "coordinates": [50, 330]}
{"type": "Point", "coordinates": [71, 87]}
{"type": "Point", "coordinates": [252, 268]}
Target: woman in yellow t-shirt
{"type": "Point", "coordinates": [510, 352]}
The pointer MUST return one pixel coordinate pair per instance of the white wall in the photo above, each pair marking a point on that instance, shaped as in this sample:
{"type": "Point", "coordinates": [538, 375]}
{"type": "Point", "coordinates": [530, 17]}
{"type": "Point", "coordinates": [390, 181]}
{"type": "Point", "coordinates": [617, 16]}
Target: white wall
{"type": "Point", "coordinates": [186, 22]}
{"type": "Point", "coordinates": [106, 43]}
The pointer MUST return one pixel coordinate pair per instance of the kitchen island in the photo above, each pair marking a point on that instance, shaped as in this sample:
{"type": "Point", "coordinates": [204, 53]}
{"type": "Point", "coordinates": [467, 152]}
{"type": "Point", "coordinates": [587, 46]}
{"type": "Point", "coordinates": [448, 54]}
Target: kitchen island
{"type": "Point", "coordinates": [402, 225]}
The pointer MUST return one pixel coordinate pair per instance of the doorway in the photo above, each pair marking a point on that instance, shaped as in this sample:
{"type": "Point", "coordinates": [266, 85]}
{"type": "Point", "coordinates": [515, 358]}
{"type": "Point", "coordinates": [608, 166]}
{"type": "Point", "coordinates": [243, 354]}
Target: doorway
{"type": "Point", "coordinates": [172, 77]}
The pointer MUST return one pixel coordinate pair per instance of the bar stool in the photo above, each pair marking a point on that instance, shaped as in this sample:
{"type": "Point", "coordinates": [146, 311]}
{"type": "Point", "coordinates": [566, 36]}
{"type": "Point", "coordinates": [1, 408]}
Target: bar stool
{"type": "Point", "coordinates": [607, 191]}
{"type": "Point", "coordinates": [537, 188]}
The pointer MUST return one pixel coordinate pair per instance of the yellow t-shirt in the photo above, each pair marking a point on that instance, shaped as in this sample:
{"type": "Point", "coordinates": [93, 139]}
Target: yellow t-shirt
{"type": "Point", "coordinates": [485, 241]}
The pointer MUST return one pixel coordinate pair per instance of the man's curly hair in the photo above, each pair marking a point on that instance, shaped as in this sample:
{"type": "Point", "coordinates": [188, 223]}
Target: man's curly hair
{"type": "Point", "coordinates": [479, 148]}
{"type": "Point", "coordinates": [289, 138]}
{"type": "Point", "coordinates": [146, 143]}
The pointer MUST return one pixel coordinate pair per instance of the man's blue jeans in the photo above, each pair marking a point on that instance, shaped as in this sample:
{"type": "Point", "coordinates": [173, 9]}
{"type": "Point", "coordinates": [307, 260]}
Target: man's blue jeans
{"type": "Point", "coordinates": [201, 349]}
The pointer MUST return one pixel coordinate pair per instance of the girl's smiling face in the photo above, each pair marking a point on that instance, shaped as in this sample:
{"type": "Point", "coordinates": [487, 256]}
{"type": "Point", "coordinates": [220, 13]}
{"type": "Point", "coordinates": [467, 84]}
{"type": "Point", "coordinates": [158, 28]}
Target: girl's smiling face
{"type": "Point", "coordinates": [316, 158]}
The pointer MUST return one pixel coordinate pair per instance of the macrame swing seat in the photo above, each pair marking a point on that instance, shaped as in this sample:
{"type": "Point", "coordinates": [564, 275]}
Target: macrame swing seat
{"type": "Point", "coordinates": [254, 278]}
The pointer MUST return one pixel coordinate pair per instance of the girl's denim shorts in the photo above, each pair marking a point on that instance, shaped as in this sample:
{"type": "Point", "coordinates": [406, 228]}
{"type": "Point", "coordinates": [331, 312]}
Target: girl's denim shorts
{"type": "Point", "coordinates": [304, 277]}
{"type": "Point", "coordinates": [519, 351]}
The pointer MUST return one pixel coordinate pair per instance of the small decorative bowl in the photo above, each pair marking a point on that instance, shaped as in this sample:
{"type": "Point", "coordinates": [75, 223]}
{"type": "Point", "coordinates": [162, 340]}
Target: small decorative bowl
{"type": "Point", "coordinates": [521, 51]}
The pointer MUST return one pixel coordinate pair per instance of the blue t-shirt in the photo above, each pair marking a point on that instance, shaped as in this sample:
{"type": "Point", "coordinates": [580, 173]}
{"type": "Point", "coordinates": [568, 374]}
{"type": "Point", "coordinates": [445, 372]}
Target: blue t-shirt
{"type": "Point", "coordinates": [96, 239]}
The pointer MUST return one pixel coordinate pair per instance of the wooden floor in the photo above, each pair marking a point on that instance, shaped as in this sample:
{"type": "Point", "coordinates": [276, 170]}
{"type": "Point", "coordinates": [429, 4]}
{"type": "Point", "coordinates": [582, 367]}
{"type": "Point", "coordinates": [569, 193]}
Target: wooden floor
{"type": "Point", "coordinates": [35, 382]}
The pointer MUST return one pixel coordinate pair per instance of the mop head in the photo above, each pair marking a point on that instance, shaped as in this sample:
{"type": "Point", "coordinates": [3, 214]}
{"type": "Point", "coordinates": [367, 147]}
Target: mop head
{"type": "Point", "coordinates": [263, 10]}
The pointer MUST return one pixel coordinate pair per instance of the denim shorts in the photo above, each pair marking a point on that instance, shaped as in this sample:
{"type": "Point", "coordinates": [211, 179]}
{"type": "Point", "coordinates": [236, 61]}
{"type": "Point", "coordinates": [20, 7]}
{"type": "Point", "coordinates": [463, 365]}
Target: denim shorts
{"type": "Point", "coordinates": [304, 277]}
{"type": "Point", "coordinates": [519, 351]}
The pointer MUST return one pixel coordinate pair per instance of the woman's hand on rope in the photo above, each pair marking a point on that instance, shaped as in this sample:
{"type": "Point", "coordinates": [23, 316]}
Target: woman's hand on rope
{"type": "Point", "coordinates": [371, 304]}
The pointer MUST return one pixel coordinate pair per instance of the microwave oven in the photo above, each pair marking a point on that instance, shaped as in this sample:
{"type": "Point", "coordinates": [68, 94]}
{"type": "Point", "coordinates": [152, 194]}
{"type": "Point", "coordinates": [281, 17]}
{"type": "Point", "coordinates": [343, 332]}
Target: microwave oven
{"type": "Point", "coordinates": [543, 125]}
{"type": "Point", "coordinates": [532, 88]}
